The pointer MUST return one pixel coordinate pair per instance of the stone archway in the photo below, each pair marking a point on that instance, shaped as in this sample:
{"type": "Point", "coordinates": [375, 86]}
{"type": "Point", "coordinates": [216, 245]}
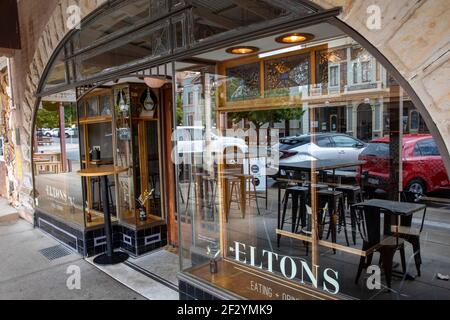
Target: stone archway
{"type": "Point", "coordinates": [426, 69]}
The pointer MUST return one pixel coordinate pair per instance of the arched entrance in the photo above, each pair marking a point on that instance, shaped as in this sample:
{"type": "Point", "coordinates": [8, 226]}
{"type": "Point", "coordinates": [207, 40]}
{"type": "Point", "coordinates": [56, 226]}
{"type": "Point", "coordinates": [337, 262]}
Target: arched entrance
{"type": "Point", "coordinates": [243, 87]}
{"type": "Point", "coordinates": [364, 123]}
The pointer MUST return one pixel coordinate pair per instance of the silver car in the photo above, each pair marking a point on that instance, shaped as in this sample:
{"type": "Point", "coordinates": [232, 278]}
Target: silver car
{"type": "Point", "coordinates": [325, 147]}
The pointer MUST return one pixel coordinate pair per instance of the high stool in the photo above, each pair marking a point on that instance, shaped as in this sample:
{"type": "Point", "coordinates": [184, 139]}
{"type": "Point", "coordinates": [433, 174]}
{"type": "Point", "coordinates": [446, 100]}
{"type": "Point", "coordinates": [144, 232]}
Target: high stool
{"type": "Point", "coordinates": [352, 196]}
{"type": "Point", "coordinates": [334, 200]}
{"type": "Point", "coordinates": [299, 196]}
{"type": "Point", "coordinates": [232, 188]}
{"type": "Point", "coordinates": [196, 185]}
{"type": "Point", "coordinates": [249, 180]}
{"type": "Point", "coordinates": [210, 189]}
{"type": "Point", "coordinates": [316, 187]}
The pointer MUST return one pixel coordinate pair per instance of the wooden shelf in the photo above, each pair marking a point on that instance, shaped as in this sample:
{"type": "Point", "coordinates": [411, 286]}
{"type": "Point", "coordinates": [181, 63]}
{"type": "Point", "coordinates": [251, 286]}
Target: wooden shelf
{"type": "Point", "coordinates": [94, 120]}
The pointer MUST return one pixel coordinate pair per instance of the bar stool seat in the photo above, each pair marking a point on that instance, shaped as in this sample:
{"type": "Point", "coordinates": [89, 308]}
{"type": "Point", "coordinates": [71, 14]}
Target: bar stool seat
{"type": "Point", "coordinates": [232, 185]}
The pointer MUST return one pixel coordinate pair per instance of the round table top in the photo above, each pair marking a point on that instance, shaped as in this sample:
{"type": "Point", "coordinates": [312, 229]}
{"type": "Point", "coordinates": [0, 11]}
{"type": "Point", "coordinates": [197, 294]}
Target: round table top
{"type": "Point", "coordinates": [101, 171]}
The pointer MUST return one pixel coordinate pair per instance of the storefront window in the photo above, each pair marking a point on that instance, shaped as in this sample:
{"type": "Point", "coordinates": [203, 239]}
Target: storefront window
{"type": "Point", "coordinates": [274, 209]}
{"type": "Point", "coordinates": [56, 158]}
{"type": "Point", "coordinates": [57, 74]}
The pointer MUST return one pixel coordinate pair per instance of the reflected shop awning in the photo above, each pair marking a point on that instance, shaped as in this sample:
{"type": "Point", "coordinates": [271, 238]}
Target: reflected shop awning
{"type": "Point", "coordinates": [9, 25]}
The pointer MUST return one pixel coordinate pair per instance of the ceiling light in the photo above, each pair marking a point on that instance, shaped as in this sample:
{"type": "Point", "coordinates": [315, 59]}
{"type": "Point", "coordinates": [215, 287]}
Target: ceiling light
{"type": "Point", "coordinates": [294, 38]}
{"type": "Point", "coordinates": [242, 50]}
{"type": "Point", "coordinates": [156, 82]}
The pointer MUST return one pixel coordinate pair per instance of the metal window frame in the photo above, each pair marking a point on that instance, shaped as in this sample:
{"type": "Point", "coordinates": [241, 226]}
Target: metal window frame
{"type": "Point", "coordinates": [190, 49]}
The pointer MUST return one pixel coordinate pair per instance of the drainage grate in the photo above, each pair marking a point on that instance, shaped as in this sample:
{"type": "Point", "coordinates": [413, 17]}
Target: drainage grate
{"type": "Point", "coordinates": [55, 252]}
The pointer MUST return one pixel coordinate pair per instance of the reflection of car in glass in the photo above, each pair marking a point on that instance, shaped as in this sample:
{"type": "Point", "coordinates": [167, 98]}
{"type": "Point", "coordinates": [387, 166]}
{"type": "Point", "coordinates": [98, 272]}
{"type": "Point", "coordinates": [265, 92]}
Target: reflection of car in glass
{"type": "Point", "coordinates": [193, 140]}
{"type": "Point", "coordinates": [423, 168]}
{"type": "Point", "coordinates": [47, 132]}
{"type": "Point", "coordinates": [326, 146]}
{"type": "Point", "coordinates": [69, 132]}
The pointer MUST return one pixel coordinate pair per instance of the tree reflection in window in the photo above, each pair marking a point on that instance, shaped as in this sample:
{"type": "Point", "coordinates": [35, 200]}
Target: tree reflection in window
{"type": "Point", "coordinates": [281, 75]}
{"type": "Point", "coordinates": [243, 82]}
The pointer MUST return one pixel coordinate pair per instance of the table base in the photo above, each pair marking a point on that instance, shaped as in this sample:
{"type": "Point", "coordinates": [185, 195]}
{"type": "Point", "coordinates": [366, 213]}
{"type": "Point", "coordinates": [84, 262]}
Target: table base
{"type": "Point", "coordinates": [116, 258]}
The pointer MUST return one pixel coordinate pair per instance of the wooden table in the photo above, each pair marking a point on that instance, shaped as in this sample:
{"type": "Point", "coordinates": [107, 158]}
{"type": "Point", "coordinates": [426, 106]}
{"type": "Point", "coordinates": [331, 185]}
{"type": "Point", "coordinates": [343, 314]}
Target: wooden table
{"type": "Point", "coordinates": [103, 172]}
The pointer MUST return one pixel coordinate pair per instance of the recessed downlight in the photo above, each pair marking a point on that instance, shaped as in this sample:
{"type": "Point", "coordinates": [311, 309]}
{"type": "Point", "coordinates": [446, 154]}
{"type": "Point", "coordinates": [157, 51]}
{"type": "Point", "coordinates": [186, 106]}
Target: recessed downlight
{"type": "Point", "coordinates": [242, 50]}
{"type": "Point", "coordinates": [295, 37]}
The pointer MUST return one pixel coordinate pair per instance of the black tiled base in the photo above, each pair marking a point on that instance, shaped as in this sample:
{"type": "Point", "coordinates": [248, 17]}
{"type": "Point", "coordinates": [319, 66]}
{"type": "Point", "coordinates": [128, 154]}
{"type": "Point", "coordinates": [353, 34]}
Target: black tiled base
{"type": "Point", "coordinates": [190, 292]}
{"type": "Point", "coordinates": [93, 242]}
{"type": "Point", "coordinates": [138, 242]}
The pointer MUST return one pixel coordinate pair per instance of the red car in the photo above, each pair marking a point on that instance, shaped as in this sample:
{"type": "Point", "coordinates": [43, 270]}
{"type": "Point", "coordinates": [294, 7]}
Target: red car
{"type": "Point", "coordinates": [423, 168]}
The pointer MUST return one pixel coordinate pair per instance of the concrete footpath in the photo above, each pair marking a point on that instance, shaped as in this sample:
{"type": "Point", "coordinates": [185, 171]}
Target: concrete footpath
{"type": "Point", "coordinates": [28, 273]}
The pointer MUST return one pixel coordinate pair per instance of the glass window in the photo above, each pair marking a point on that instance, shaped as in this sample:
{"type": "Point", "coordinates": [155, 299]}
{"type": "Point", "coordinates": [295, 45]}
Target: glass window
{"type": "Point", "coordinates": [265, 205]}
{"type": "Point", "coordinates": [216, 17]}
{"type": "Point", "coordinates": [56, 159]}
{"type": "Point", "coordinates": [146, 44]}
{"type": "Point", "coordinates": [334, 76]}
{"type": "Point", "coordinates": [286, 76]}
{"type": "Point", "coordinates": [122, 18]}
{"type": "Point", "coordinates": [344, 142]}
{"type": "Point", "coordinates": [244, 83]}
{"type": "Point", "coordinates": [324, 142]}
{"type": "Point", "coordinates": [365, 71]}
{"type": "Point", "coordinates": [355, 73]}
{"type": "Point", "coordinates": [57, 74]}
{"type": "Point", "coordinates": [428, 148]}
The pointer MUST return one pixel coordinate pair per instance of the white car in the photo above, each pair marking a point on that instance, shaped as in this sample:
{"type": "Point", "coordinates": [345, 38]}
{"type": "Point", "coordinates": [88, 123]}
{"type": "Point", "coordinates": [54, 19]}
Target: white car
{"type": "Point", "coordinates": [192, 140]}
{"type": "Point", "coordinates": [69, 132]}
{"type": "Point", "coordinates": [326, 146]}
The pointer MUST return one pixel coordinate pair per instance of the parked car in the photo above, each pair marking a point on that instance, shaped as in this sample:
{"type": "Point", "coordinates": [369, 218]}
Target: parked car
{"type": "Point", "coordinates": [47, 132]}
{"type": "Point", "coordinates": [423, 168]}
{"type": "Point", "coordinates": [192, 140]}
{"type": "Point", "coordinates": [326, 146]}
{"type": "Point", "coordinates": [68, 132]}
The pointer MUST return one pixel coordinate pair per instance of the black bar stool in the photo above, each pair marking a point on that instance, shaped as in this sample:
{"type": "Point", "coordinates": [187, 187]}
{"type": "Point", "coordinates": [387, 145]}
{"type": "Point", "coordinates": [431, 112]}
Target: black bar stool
{"type": "Point", "coordinates": [334, 200]}
{"type": "Point", "coordinates": [299, 197]}
{"type": "Point", "coordinates": [352, 195]}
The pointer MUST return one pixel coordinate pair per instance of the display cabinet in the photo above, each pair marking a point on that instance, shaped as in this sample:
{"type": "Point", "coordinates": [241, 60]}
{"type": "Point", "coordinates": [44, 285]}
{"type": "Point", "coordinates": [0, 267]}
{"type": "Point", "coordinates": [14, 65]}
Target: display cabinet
{"type": "Point", "coordinates": [137, 135]}
{"type": "Point", "coordinates": [96, 140]}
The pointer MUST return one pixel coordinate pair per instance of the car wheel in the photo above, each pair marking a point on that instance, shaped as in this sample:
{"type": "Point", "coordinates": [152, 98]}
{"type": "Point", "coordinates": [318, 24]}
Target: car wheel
{"type": "Point", "coordinates": [48, 134]}
{"type": "Point", "coordinates": [67, 135]}
{"type": "Point", "coordinates": [416, 186]}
